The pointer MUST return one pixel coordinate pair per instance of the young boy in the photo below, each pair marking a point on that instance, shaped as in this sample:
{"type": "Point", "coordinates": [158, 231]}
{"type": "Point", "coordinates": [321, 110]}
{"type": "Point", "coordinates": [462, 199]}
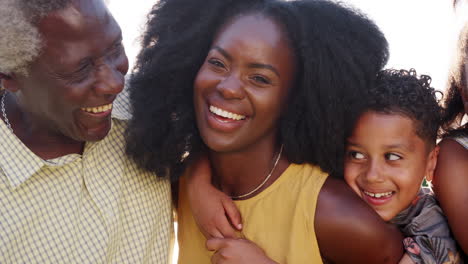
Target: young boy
{"type": "Point", "coordinates": [389, 153]}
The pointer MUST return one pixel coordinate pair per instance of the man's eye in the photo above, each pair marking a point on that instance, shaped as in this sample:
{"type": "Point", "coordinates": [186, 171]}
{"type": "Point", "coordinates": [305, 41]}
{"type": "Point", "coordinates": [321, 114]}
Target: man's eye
{"type": "Point", "coordinates": [116, 51]}
{"type": "Point", "coordinates": [80, 75]}
{"type": "Point", "coordinates": [392, 156]}
{"type": "Point", "coordinates": [79, 79]}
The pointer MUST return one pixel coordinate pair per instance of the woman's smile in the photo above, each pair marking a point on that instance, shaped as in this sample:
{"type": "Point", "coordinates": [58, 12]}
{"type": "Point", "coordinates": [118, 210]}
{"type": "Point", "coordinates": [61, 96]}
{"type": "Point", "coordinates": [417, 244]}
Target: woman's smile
{"type": "Point", "coordinates": [223, 120]}
{"type": "Point", "coordinates": [224, 114]}
{"type": "Point", "coordinates": [242, 86]}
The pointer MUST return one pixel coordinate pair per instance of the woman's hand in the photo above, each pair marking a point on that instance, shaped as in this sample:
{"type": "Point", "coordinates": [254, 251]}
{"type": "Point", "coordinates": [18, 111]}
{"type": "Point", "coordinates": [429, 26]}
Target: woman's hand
{"type": "Point", "coordinates": [215, 213]}
{"type": "Point", "coordinates": [232, 251]}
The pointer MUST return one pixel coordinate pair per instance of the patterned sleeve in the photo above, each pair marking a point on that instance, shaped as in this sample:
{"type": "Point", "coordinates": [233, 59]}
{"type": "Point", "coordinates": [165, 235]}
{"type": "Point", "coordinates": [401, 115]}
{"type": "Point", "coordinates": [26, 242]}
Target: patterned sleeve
{"type": "Point", "coordinates": [428, 237]}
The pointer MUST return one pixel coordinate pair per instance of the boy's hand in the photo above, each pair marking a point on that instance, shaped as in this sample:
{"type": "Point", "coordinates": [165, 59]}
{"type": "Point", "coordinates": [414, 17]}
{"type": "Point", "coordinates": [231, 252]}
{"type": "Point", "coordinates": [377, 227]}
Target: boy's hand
{"type": "Point", "coordinates": [232, 251]}
{"type": "Point", "coordinates": [211, 208]}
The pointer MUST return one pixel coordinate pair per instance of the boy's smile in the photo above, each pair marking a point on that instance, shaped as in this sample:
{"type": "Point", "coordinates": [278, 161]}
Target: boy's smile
{"type": "Point", "coordinates": [386, 162]}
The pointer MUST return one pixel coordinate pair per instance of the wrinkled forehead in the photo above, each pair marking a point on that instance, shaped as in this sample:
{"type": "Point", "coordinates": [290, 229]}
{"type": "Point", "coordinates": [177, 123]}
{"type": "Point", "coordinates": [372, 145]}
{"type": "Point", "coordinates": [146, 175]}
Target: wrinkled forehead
{"type": "Point", "coordinates": [78, 16]}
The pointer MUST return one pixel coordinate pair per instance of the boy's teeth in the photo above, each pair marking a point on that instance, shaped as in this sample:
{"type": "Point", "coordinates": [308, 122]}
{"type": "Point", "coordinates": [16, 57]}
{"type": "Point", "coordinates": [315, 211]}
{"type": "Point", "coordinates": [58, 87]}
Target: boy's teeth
{"type": "Point", "coordinates": [98, 109]}
{"type": "Point", "coordinates": [226, 114]}
{"type": "Point", "coordinates": [378, 195]}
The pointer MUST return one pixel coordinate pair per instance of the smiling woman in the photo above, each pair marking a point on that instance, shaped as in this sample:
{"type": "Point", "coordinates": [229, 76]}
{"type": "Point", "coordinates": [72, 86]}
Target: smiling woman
{"type": "Point", "coordinates": [266, 90]}
{"type": "Point", "coordinates": [249, 81]}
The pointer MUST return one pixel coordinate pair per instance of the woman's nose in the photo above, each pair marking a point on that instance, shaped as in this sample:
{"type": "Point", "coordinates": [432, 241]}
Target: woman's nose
{"type": "Point", "coordinates": [231, 87]}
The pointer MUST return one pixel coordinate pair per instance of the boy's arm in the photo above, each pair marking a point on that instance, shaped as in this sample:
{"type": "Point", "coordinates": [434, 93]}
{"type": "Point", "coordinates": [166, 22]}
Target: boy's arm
{"type": "Point", "coordinates": [211, 208]}
{"type": "Point", "coordinates": [450, 181]}
{"type": "Point", "coordinates": [349, 231]}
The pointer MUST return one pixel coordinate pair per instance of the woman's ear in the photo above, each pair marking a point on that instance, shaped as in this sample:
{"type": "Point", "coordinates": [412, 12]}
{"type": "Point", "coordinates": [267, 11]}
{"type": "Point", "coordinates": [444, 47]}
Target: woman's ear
{"type": "Point", "coordinates": [431, 163]}
{"type": "Point", "coordinates": [9, 82]}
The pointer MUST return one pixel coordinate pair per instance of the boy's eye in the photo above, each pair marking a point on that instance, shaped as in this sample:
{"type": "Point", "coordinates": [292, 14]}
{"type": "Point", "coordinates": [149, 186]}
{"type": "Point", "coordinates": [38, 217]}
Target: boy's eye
{"type": "Point", "coordinates": [260, 79]}
{"type": "Point", "coordinates": [392, 156]}
{"type": "Point", "coordinates": [356, 155]}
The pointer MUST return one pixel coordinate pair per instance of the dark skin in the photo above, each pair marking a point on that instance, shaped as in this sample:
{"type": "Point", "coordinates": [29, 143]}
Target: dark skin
{"type": "Point", "coordinates": [451, 178]}
{"type": "Point", "coordinates": [239, 91]}
{"type": "Point", "coordinates": [251, 81]}
{"type": "Point", "coordinates": [80, 68]}
{"type": "Point", "coordinates": [340, 217]}
{"type": "Point", "coordinates": [247, 147]}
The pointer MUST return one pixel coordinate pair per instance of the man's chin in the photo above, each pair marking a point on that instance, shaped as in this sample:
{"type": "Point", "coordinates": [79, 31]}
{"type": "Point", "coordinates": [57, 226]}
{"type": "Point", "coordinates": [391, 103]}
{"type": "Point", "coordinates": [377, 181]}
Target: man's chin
{"type": "Point", "coordinates": [96, 134]}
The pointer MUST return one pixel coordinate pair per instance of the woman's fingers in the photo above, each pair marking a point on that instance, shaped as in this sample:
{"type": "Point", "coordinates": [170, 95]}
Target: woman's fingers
{"type": "Point", "coordinates": [232, 213]}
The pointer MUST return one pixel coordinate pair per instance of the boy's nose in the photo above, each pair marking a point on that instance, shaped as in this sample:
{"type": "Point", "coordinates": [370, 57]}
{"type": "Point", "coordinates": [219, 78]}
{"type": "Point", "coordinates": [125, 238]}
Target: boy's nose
{"type": "Point", "coordinates": [374, 173]}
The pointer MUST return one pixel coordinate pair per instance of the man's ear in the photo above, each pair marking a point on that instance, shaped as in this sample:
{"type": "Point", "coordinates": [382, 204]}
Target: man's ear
{"type": "Point", "coordinates": [431, 163]}
{"type": "Point", "coordinates": [9, 82]}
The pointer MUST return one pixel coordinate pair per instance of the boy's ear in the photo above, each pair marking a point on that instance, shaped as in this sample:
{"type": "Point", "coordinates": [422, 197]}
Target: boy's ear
{"type": "Point", "coordinates": [431, 163]}
{"type": "Point", "coordinates": [9, 82]}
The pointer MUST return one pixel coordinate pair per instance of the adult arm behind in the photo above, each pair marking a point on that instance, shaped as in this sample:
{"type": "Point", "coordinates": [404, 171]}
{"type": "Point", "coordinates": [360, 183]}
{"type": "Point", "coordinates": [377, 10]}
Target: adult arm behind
{"type": "Point", "coordinates": [450, 181]}
{"type": "Point", "coordinates": [349, 231]}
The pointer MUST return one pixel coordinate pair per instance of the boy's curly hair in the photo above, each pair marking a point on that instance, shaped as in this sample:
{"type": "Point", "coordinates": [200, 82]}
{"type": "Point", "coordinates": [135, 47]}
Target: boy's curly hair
{"type": "Point", "coordinates": [339, 52]}
{"type": "Point", "coordinates": [403, 92]}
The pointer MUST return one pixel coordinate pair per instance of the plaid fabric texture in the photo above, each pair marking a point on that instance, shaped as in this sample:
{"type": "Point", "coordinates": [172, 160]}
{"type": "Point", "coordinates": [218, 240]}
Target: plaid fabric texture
{"type": "Point", "coordinates": [98, 207]}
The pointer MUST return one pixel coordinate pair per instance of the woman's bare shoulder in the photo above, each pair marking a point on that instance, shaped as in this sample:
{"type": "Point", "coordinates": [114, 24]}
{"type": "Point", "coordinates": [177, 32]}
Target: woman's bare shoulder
{"type": "Point", "coordinates": [450, 181]}
{"type": "Point", "coordinates": [349, 231]}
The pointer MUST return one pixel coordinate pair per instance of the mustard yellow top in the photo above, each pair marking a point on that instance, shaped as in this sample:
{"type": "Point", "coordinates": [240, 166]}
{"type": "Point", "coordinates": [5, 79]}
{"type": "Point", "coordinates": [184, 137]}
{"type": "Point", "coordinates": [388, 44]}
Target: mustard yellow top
{"type": "Point", "coordinates": [280, 219]}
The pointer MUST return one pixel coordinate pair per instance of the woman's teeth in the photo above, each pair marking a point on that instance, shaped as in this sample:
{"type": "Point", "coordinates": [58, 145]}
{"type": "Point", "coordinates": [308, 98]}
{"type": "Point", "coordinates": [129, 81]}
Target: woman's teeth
{"type": "Point", "coordinates": [226, 114]}
{"type": "Point", "coordinates": [98, 109]}
{"type": "Point", "coordinates": [378, 195]}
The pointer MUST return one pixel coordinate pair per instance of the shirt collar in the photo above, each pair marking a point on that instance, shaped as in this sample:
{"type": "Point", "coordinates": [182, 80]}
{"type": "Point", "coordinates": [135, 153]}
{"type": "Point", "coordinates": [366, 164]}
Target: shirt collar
{"type": "Point", "coordinates": [17, 161]}
{"type": "Point", "coordinates": [121, 106]}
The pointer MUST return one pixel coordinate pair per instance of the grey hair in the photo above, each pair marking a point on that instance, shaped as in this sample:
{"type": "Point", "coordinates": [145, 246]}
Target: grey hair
{"type": "Point", "coordinates": [21, 42]}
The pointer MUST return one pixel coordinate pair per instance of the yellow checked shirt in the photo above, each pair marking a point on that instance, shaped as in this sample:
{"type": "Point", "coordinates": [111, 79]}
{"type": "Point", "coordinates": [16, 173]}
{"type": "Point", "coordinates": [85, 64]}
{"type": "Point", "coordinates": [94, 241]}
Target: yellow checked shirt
{"type": "Point", "coordinates": [98, 207]}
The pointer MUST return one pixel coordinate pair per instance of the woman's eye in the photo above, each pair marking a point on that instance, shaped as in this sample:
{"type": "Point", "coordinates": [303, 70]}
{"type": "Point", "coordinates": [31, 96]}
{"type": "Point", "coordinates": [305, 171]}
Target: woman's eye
{"type": "Point", "coordinates": [356, 155]}
{"type": "Point", "coordinates": [261, 79]}
{"type": "Point", "coordinates": [216, 63]}
{"type": "Point", "coordinates": [392, 156]}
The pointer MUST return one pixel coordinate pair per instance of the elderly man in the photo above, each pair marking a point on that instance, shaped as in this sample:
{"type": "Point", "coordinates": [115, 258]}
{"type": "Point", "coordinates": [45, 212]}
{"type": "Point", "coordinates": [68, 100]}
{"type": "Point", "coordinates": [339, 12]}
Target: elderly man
{"type": "Point", "coordinates": [68, 193]}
